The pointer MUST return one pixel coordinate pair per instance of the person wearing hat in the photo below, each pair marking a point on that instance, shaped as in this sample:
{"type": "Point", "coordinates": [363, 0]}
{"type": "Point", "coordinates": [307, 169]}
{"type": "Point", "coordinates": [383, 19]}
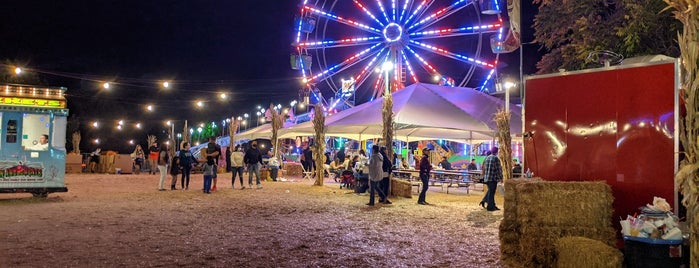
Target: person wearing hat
{"type": "Point", "coordinates": [425, 168]}
{"type": "Point", "coordinates": [492, 174]}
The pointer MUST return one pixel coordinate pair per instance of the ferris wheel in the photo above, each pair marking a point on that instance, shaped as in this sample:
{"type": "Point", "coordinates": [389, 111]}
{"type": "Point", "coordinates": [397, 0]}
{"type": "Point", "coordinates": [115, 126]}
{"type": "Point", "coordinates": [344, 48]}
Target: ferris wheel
{"type": "Point", "coordinates": [356, 50]}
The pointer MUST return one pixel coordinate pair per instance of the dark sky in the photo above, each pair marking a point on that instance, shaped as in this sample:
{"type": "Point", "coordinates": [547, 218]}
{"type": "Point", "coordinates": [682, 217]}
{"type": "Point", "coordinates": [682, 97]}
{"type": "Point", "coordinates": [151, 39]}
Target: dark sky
{"type": "Point", "coordinates": [203, 46]}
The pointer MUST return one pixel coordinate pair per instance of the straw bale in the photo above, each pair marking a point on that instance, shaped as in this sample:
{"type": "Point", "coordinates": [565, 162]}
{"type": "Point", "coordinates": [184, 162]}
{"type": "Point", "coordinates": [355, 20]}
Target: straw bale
{"type": "Point", "coordinates": [401, 188]}
{"type": "Point", "coordinates": [574, 251]}
{"type": "Point", "coordinates": [537, 245]}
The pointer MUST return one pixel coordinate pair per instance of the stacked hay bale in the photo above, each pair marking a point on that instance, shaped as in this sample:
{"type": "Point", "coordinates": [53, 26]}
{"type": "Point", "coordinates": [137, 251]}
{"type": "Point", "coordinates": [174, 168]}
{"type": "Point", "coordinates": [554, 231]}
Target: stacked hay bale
{"type": "Point", "coordinates": [537, 213]}
{"type": "Point", "coordinates": [574, 251]}
{"type": "Point", "coordinates": [401, 188]}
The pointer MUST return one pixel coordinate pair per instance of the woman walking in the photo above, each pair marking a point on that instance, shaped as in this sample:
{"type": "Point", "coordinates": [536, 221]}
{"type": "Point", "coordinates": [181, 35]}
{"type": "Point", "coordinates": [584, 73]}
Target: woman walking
{"type": "Point", "coordinates": [237, 166]}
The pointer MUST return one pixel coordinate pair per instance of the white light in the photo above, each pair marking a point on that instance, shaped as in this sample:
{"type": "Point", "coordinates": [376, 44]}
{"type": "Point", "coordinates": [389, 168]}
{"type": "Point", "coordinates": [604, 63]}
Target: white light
{"type": "Point", "coordinates": [244, 122]}
{"type": "Point", "coordinates": [95, 124]}
{"type": "Point", "coordinates": [387, 66]}
{"type": "Point", "coordinates": [228, 120]}
{"type": "Point", "coordinates": [138, 125]}
{"type": "Point", "coordinates": [240, 118]}
{"type": "Point", "coordinates": [105, 85]}
{"type": "Point", "coordinates": [509, 85]}
{"type": "Point", "coordinates": [302, 105]}
{"type": "Point", "coordinates": [150, 108]}
{"type": "Point", "coordinates": [246, 115]}
{"type": "Point", "coordinates": [191, 130]}
{"type": "Point", "coordinates": [199, 130]}
{"type": "Point", "coordinates": [167, 143]}
{"type": "Point", "coordinates": [169, 123]}
{"type": "Point", "coordinates": [293, 103]}
{"type": "Point", "coordinates": [436, 78]}
{"type": "Point", "coordinates": [223, 96]}
{"type": "Point", "coordinates": [18, 71]}
{"type": "Point", "coordinates": [262, 145]}
{"type": "Point", "coordinates": [258, 113]}
{"type": "Point", "coordinates": [97, 141]}
{"type": "Point", "coordinates": [262, 120]}
{"type": "Point", "coordinates": [121, 122]}
{"type": "Point", "coordinates": [166, 84]}
{"type": "Point", "coordinates": [119, 127]}
{"type": "Point", "coordinates": [279, 106]}
{"type": "Point", "coordinates": [130, 141]}
{"type": "Point", "coordinates": [201, 124]}
{"type": "Point", "coordinates": [200, 103]}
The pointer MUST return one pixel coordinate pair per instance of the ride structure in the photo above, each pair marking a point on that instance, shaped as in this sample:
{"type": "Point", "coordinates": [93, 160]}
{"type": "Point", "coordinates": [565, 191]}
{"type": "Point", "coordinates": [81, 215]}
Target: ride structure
{"type": "Point", "coordinates": [342, 45]}
{"type": "Point", "coordinates": [32, 147]}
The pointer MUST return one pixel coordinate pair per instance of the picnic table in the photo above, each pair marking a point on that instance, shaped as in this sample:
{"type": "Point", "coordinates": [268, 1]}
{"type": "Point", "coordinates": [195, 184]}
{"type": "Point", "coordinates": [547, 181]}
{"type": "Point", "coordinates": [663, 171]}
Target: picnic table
{"type": "Point", "coordinates": [443, 178]}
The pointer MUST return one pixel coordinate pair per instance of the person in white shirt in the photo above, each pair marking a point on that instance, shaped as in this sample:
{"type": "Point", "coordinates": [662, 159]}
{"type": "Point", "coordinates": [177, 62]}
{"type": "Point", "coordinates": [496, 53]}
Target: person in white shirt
{"type": "Point", "coordinates": [43, 144]}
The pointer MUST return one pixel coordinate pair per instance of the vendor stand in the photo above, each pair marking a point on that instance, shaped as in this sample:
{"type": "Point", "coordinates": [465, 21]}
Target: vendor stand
{"type": "Point", "coordinates": [33, 129]}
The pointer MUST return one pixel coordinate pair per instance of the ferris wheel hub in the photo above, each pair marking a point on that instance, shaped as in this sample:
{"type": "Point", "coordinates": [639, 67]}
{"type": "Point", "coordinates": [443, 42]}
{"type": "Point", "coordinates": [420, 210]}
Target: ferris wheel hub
{"type": "Point", "coordinates": [393, 32]}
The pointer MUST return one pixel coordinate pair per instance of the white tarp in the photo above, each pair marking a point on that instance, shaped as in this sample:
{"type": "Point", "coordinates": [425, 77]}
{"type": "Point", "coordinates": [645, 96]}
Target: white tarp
{"type": "Point", "coordinates": [421, 111]}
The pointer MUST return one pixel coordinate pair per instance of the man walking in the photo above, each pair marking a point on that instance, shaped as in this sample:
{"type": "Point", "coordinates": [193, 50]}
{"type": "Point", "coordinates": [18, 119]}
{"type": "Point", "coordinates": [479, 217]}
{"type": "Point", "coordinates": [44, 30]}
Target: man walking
{"type": "Point", "coordinates": [253, 159]}
{"type": "Point", "coordinates": [492, 174]}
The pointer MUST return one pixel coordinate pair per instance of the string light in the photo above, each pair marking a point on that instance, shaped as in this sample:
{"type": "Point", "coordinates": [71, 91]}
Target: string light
{"type": "Point", "coordinates": [18, 70]}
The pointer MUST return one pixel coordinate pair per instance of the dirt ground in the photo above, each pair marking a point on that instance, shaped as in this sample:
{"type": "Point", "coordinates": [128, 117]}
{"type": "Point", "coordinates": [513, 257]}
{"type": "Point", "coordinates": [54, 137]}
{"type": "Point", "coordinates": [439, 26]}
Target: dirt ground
{"type": "Point", "coordinates": [123, 221]}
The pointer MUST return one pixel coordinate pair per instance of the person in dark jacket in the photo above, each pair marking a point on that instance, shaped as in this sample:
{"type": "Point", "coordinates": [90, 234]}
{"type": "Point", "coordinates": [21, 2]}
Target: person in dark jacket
{"type": "Point", "coordinates": [186, 161]}
{"type": "Point", "coordinates": [253, 159]}
{"type": "Point", "coordinates": [425, 168]}
{"type": "Point", "coordinates": [386, 181]}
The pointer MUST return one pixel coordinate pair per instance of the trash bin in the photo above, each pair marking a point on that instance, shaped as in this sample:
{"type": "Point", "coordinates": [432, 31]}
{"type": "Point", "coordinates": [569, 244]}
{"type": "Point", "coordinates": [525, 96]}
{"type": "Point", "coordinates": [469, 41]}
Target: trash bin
{"type": "Point", "coordinates": [656, 253]}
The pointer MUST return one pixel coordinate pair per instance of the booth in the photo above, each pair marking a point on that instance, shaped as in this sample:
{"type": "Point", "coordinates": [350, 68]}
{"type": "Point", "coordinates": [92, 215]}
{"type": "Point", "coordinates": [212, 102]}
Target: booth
{"type": "Point", "coordinates": [33, 129]}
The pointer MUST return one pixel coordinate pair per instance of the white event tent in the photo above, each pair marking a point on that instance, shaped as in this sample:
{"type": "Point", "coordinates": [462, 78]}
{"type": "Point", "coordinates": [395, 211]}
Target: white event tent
{"type": "Point", "coordinates": [421, 112]}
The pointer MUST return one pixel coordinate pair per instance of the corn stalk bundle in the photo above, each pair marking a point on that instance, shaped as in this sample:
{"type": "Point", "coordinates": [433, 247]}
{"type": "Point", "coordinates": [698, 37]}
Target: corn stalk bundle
{"type": "Point", "coordinates": [319, 144]}
{"type": "Point", "coordinates": [388, 125]}
{"type": "Point", "coordinates": [235, 124]}
{"type": "Point", "coordinates": [277, 123]}
{"type": "Point", "coordinates": [502, 119]}
{"type": "Point", "coordinates": [185, 133]}
{"type": "Point", "coordinates": [687, 179]}
{"type": "Point", "coordinates": [151, 139]}
{"type": "Point", "coordinates": [76, 142]}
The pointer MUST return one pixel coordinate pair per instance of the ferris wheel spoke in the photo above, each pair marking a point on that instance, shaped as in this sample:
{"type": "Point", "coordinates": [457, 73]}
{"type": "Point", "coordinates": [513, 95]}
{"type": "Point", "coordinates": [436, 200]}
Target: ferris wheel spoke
{"type": "Point", "coordinates": [345, 42]}
{"type": "Point", "coordinates": [409, 66]}
{"type": "Point", "coordinates": [449, 54]}
{"type": "Point", "coordinates": [467, 30]}
{"type": "Point", "coordinates": [393, 10]}
{"type": "Point", "coordinates": [441, 13]}
{"type": "Point", "coordinates": [349, 62]}
{"type": "Point", "coordinates": [403, 10]}
{"type": "Point", "coordinates": [367, 68]}
{"type": "Point", "coordinates": [363, 8]}
{"type": "Point", "coordinates": [383, 11]}
{"type": "Point", "coordinates": [419, 10]}
{"type": "Point", "coordinates": [339, 19]}
{"type": "Point", "coordinates": [426, 65]}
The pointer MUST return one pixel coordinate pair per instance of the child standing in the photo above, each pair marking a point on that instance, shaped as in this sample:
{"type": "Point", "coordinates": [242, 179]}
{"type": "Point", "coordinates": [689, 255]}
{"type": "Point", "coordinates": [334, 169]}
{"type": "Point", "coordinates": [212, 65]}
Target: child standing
{"type": "Point", "coordinates": [209, 168]}
{"type": "Point", "coordinates": [174, 171]}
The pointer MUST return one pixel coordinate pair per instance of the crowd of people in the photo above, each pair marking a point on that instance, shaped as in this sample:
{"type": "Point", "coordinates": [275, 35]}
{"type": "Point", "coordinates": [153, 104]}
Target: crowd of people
{"type": "Point", "coordinates": [370, 172]}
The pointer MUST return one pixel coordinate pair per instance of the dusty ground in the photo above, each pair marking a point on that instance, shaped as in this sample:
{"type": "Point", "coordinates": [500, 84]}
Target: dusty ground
{"type": "Point", "coordinates": [123, 221]}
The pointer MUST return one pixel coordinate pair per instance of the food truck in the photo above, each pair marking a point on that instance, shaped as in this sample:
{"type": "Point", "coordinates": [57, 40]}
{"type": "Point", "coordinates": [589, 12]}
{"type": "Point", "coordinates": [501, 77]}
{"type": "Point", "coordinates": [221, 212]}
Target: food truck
{"type": "Point", "coordinates": [32, 146]}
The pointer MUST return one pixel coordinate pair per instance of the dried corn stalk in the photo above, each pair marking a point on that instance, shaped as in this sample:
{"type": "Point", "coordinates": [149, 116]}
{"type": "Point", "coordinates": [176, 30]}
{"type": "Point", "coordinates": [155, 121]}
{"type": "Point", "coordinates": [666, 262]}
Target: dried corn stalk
{"type": "Point", "coordinates": [502, 119]}
{"type": "Point", "coordinates": [687, 179]}
{"type": "Point", "coordinates": [319, 144]}
{"type": "Point", "coordinates": [235, 124]}
{"type": "Point", "coordinates": [151, 139]}
{"type": "Point", "coordinates": [388, 125]}
{"type": "Point", "coordinates": [277, 123]}
{"type": "Point", "coordinates": [76, 142]}
{"type": "Point", "coordinates": [185, 134]}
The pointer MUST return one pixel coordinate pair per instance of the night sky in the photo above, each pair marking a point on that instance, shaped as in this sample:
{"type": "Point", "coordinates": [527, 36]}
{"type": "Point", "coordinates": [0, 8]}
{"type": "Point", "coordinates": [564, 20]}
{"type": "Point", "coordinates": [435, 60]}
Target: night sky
{"type": "Point", "coordinates": [204, 47]}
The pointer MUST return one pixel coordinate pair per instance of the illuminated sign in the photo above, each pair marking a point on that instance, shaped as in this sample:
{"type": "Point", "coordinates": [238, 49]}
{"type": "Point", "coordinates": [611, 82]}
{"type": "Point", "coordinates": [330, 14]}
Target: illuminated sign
{"type": "Point", "coordinates": [30, 102]}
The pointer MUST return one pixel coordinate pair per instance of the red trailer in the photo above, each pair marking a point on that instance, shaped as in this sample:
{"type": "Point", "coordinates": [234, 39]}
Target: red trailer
{"type": "Point", "coordinates": [617, 124]}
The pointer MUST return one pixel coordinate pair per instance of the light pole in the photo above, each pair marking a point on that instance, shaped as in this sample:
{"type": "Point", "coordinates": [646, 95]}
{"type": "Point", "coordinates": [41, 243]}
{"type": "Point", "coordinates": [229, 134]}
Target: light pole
{"type": "Point", "coordinates": [386, 67]}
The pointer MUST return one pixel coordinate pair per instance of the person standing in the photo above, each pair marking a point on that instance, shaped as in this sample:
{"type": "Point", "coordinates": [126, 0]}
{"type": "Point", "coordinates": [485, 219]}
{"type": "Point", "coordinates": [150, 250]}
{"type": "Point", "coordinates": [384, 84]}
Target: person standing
{"type": "Point", "coordinates": [137, 157]}
{"type": "Point", "coordinates": [445, 164]}
{"type": "Point", "coordinates": [174, 171]}
{"type": "Point", "coordinates": [209, 172]}
{"type": "Point", "coordinates": [153, 152]}
{"type": "Point", "coordinates": [385, 181]}
{"type": "Point", "coordinates": [308, 157]}
{"type": "Point", "coordinates": [425, 168]}
{"type": "Point", "coordinates": [375, 174]}
{"type": "Point", "coordinates": [186, 161]}
{"type": "Point", "coordinates": [237, 166]}
{"type": "Point", "coordinates": [253, 159]}
{"type": "Point", "coordinates": [341, 154]}
{"type": "Point", "coordinates": [213, 150]}
{"type": "Point", "coordinates": [95, 160]}
{"type": "Point", "coordinates": [492, 174]}
{"type": "Point", "coordinates": [163, 159]}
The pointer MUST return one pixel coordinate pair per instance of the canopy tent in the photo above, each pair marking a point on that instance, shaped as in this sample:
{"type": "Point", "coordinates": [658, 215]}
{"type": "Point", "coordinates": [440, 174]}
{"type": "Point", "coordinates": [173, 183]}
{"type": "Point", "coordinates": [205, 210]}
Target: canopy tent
{"type": "Point", "coordinates": [421, 111]}
{"type": "Point", "coordinates": [259, 132]}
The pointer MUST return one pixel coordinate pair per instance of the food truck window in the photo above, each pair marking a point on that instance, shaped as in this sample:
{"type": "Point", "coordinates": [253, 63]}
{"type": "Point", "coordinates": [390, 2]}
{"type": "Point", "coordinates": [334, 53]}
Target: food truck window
{"type": "Point", "coordinates": [35, 132]}
{"type": "Point", "coordinates": [58, 140]}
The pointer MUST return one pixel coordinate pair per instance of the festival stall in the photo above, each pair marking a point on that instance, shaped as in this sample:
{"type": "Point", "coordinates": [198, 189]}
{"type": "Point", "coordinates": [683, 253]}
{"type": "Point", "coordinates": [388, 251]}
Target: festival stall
{"type": "Point", "coordinates": [33, 129]}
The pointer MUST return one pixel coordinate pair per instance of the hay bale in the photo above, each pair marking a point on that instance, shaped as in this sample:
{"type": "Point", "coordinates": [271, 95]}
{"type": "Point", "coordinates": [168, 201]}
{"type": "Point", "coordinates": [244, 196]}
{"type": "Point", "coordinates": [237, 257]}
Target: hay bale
{"type": "Point", "coordinates": [576, 252]}
{"type": "Point", "coordinates": [538, 213]}
{"type": "Point", "coordinates": [401, 188]}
